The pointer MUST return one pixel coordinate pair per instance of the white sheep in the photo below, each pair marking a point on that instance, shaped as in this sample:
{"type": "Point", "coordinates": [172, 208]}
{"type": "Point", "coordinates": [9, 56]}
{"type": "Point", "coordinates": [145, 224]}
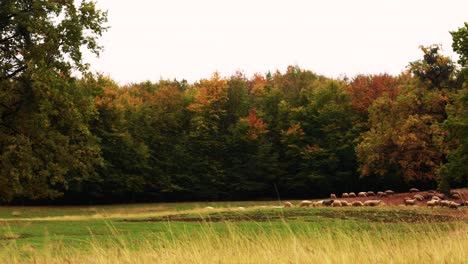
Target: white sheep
{"type": "Point", "coordinates": [453, 205]}
{"type": "Point", "coordinates": [352, 195]}
{"type": "Point", "coordinates": [410, 202]}
{"type": "Point", "coordinates": [413, 190]}
{"type": "Point", "coordinates": [370, 193]}
{"type": "Point", "coordinates": [336, 203]}
{"type": "Point", "coordinates": [357, 203]}
{"type": "Point", "coordinates": [444, 203]}
{"type": "Point", "coordinates": [209, 207]}
{"type": "Point", "coordinates": [345, 195]}
{"type": "Point", "coordinates": [389, 192]}
{"type": "Point", "coordinates": [381, 194]}
{"type": "Point", "coordinates": [317, 203]}
{"type": "Point", "coordinates": [345, 203]}
{"type": "Point", "coordinates": [372, 202]}
{"type": "Point", "coordinates": [362, 194]}
{"type": "Point", "coordinates": [432, 203]}
{"type": "Point", "coordinates": [418, 197]}
{"type": "Point", "coordinates": [288, 204]}
{"type": "Point", "coordinates": [332, 196]}
{"type": "Point", "coordinates": [305, 203]}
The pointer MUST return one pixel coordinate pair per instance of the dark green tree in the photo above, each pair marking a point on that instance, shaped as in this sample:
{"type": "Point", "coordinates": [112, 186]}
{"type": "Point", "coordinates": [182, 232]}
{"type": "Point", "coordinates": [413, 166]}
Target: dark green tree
{"type": "Point", "coordinates": [45, 142]}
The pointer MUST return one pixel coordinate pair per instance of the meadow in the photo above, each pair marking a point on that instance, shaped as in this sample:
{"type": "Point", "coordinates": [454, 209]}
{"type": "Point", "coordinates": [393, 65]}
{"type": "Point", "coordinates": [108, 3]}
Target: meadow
{"type": "Point", "coordinates": [260, 233]}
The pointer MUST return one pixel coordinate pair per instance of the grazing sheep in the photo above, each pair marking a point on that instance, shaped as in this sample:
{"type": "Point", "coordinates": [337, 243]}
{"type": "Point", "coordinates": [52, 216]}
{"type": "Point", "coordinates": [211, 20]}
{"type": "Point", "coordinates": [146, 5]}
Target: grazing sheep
{"type": "Point", "coordinates": [454, 192]}
{"type": "Point", "coordinates": [345, 203]}
{"type": "Point", "coordinates": [413, 190]}
{"type": "Point", "coordinates": [317, 203]}
{"type": "Point", "coordinates": [362, 194]}
{"type": "Point", "coordinates": [453, 205]}
{"type": "Point", "coordinates": [435, 198]}
{"type": "Point", "coordinates": [287, 204]}
{"type": "Point", "coordinates": [427, 195]}
{"type": "Point", "coordinates": [441, 196]}
{"type": "Point", "coordinates": [444, 203]}
{"type": "Point", "coordinates": [410, 202]}
{"type": "Point", "coordinates": [370, 193]}
{"type": "Point", "coordinates": [432, 203]}
{"type": "Point", "coordinates": [456, 196]}
{"type": "Point", "coordinates": [209, 207]}
{"type": "Point", "coordinates": [336, 203]}
{"type": "Point", "coordinates": [381, 194]}
{"type": "Point", "coordinates": [389, 192]}
{"type": "Point", "coordinates": [305, 203]}
{"type": "Point", "coordinates": [418, 197]}
{"type": "Point", "coordinates": [332, 196]}
{"type": "Point", "coordinates": [327, 202]}
{"type": "Point", "coordinates": [352, 195]}
{"type": "Point", "coordinates": [372, 202]}
{"type": "Point", "coordinates": [357, 203]}
{"type": "Point", "coordinates": [345, 195]}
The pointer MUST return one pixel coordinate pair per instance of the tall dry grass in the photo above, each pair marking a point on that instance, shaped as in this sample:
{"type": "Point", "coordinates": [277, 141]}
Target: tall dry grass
{"type": "Point", "coordinates": [329, 245]}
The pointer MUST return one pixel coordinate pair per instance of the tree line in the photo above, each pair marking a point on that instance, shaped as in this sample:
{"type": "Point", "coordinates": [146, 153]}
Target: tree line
{"type": "Point", "coordinates": [289, 134]}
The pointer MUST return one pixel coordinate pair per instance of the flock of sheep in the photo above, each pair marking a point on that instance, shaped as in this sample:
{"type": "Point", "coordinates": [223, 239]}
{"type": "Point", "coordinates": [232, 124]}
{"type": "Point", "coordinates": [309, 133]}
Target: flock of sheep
{"type": "Point", "coordinates": [434, 199]}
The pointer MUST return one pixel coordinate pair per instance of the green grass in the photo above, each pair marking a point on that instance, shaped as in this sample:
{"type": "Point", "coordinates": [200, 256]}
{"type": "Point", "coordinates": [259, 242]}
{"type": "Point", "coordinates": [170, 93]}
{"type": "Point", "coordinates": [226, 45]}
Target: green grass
{"type": "Point", "coordinates": [30, 231]}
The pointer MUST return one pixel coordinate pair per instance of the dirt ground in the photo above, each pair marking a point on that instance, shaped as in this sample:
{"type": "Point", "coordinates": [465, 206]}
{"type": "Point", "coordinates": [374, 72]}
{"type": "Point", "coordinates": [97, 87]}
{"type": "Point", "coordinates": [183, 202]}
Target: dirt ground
{"type": "Point", "coordinates": [398, 198]}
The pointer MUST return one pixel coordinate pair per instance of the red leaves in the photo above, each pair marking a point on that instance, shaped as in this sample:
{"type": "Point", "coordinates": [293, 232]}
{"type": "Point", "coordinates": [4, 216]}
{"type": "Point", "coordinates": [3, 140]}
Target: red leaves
{"type": "Point", "coordinates": [256, 125]}
{"type": "Point", "coordinates": [365, 89]}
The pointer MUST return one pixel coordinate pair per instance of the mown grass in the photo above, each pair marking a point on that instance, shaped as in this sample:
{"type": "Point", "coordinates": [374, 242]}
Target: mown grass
{"type": "Point", "coordinates": [186, 234]}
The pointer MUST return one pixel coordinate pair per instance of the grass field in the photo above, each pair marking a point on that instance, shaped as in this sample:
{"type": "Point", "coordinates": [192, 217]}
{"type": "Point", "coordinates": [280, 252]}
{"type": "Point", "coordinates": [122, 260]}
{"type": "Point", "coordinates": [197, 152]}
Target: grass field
{"type": "Point", "coordinates": [189, 233]}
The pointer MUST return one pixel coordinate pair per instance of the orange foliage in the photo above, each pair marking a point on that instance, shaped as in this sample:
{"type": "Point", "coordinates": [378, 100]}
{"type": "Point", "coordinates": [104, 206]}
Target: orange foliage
{"type": "Point", "coordinates": [256, 125]}
{"type": "Point", "coordinates": [258, 83]}
{"type": "Point", "coordinates": [365, 89]}
{"type": "Point", "coordinates": [210, 94]}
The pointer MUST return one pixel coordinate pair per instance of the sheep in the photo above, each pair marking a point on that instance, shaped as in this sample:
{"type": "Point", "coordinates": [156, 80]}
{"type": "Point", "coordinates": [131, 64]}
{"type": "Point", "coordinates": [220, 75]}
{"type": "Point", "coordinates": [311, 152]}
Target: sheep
{"type": "Point", "coordinates": [389, 192]}
{"type": "Point", "coordinates": [362, 194]}
{"type": "Point", "coordinates": [432, 203]}
{"type": "Point", "coordinates": [435, 198]}
{"type": "Point", "coordinates": [345, 203]}
{"type": "Point", "coordinates": [444, 203]}
{"type": "Point", "coordinates": [453, 205]}
{"type": "Point", "coordinates": [357, 203]}
{"type": "Point", "coordinates": [287, 204]}
{"type": "Point", "coordinates": [352, 195]}
{"type": "Point", "coordinates": [317, 203]}
{"type": "Point", "coordinates": [432, 191]}
{"type": "Point", "coordinates": [241, 208]}
{"type": "Point", "coordinates": [418, 197]}
{"type": "Point", "coordinates": [441, 195]}
{"type": "Point", "coordinates": [327, 202]}
{"type": "Point", "coordinates": [209, 207]}
{"type": "Point", "coordinates": [456, 196]}
{"type": "Point", "coordinates": [336, 203]}
{"type": "Point", "coordinates": [413, 190]}
{"type": "Point", "coordinates": [454, 192]}
{"type": "Point", "coordinates": [410, 202]}
{"type": "Point", "coordinates": [332, 196]}
{"type": "Point", "coordinates": [305, 203]}
{"type": "Point", "coordinates": [381, 194]}
{"type": "Point", "coordinates": [372, 202]}
{"type": "Point", "coordinates": [345, 195]}
{"type": "Point", "coordinates": [370, 193]}
{"type": "Point", "coordinates": [427, 195]}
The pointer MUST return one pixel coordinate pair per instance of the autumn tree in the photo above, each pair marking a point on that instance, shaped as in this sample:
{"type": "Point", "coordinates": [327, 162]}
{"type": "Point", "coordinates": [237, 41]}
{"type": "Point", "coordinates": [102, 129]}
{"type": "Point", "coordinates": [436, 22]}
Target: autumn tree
{"type": "Point", "coordinates": [45, 142]}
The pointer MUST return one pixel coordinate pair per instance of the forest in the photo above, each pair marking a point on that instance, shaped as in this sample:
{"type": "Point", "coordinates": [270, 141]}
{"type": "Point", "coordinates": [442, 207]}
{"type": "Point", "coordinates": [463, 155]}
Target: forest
{"type": "Point", "coordinates": [68, 138]}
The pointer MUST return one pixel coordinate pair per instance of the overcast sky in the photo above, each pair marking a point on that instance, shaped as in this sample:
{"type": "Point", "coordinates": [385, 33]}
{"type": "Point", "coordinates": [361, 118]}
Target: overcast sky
{"type": "Point", "coordinates": [188, 39]}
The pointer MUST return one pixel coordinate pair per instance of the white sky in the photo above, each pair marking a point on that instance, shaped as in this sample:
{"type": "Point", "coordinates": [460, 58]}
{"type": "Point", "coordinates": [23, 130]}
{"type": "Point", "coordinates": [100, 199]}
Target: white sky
{"type": "Point", "coordinates": [190, 39]}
